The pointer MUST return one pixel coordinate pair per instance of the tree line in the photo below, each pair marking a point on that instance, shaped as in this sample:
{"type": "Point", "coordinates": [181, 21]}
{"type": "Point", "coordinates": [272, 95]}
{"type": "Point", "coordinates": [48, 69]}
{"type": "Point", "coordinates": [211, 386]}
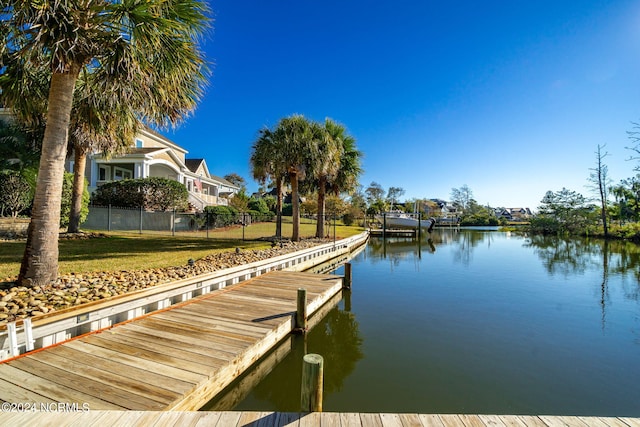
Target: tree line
{"type": "Point", "coordinates": [312, 158]}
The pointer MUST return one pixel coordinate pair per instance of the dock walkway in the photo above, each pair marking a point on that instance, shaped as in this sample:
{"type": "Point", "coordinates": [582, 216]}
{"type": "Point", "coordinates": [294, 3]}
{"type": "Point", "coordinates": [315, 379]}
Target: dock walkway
{"type": "Point", "coordinates": [172, 359]}
{"type": "Point", "coordinates": [316, 419]}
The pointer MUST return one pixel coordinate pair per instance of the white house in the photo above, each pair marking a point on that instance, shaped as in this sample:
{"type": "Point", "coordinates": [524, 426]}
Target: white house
{"type": "Point", "coordinates": [153, 155]}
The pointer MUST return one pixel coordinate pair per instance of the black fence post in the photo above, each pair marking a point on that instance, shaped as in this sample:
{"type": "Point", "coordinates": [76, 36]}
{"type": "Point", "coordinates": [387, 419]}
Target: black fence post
{"type": "Point", "coordinates": [173, 223]}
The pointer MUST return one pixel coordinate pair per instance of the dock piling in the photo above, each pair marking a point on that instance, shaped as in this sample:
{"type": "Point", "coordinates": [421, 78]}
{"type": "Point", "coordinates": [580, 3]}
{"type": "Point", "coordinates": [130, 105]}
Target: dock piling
{"type": "Point", "coordinates": [301, 311]}
{"type": "Point", "coordinates": [346, 282]}
{"type": "Point", "coordinates": [312, 383]}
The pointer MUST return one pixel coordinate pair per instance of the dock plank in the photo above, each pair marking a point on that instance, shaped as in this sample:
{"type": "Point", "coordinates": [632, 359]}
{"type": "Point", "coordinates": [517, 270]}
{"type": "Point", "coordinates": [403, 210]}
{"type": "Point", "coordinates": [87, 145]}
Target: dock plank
{"type": "Point", "coordinates": [154, 353]}
{"type": "Point", "coordinates": [93, 390]}
{"type": "Point", "coordinates": [80, 365]}
{"type": "Point", "coordinates": [24, 386]}
{"type": "Point", "coordinates": [129, 361]}
{"type": "Point", "coordinates": [135, 373]}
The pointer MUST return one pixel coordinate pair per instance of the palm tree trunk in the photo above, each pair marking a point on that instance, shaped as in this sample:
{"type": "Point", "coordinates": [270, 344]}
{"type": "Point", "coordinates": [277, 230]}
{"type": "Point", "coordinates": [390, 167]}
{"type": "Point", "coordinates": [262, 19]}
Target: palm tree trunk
{"type": "Point", "coordinates": [79, 165]}
{"type": "Point", "coordinates": [321, 199]}
{"type": "Point", "coordinates": [40, 260]}
{"type": "Point", "coordinates": [295, 202]}
{"type": "Point", "coordinates": [279, 208]}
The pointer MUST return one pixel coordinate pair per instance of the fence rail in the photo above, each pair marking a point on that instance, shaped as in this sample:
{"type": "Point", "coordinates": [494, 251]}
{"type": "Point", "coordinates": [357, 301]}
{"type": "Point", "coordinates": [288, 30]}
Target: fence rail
{"type": "Point", "coordinates": [245, 226]}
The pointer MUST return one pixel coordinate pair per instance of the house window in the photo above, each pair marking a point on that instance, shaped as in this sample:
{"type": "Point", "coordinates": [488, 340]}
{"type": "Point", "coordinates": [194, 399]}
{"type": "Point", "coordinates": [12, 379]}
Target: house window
{"type": "Point", "coordinates": [103, 173]}
{"type": "Point", "coordinates": [119, 174]}
{"type": "Point", "coordinates": [138, 143]}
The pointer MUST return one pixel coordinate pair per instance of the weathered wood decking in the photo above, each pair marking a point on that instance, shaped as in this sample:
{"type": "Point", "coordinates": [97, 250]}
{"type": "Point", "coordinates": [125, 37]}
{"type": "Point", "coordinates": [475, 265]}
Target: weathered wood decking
{"type": "Point", "coordinates": [232, 419]}
{"type": "Point", "coordinates": [172, 359]}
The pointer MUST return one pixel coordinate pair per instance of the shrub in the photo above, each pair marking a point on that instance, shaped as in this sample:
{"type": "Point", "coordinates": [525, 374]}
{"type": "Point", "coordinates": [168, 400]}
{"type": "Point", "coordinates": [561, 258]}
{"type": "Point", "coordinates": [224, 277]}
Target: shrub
{"type": "Point", "coordinates": [16, 194]}
{"type": "Point", "coordinates": [149, 193]}
{"type": "Point", "coordinates": [67, 194]}
{"type": "Point", "coordinates": [221, 216]}
{"type": "Point", "coordinates": [258, 205]}
{"type": "Point", "coordinates": [348, 219]}
{"type": "Point", "coordinates": [545, 225]}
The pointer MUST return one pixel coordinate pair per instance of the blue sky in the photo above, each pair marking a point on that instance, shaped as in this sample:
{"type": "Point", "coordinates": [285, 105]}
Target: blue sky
{"type": "Point", "coordinates": [510, 98]}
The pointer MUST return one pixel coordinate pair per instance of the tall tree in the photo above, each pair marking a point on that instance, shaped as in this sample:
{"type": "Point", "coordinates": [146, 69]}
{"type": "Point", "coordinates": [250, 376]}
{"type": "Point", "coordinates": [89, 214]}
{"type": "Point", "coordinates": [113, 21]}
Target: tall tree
{"type": "Point", "coordinates": [562, 211]}
{"type": "Point", "coordinates": [462, 197]}
{"type": "Point", "coordinates": [375, 197]}
{"type": "Point", "coordinates": [346, 180]}
{"type": "Point", "coordinates": [297, 146]}
{"type": "Point", "coordinates": [266, 165]}
{"type": "Point", "coordinates": [144, 42]}
{"type": "Point", "coordinates": [600, 181]}
{"type": "Point", "coordinates": [324, 168]}
{"type": "Point", "coordinates": [103, 119]}
{"type": "Point", "coordinates": [394, 194]}
{"type": "Point", "coordinates": [236, 179]}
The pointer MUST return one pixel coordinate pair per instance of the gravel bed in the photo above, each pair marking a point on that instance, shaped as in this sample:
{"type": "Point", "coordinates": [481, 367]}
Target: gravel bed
{"type": "Point", "coordinates": [70, 290]}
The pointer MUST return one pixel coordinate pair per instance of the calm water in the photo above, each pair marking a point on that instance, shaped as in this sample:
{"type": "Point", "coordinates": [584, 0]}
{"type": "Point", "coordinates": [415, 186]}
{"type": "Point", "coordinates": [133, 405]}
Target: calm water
{"type": "Point", "coordinates": [473, 322]}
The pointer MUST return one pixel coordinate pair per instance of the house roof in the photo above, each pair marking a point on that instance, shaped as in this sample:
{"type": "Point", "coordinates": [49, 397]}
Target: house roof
{"type": "Point", "coordinates": [224, 181]}
{"type": "Point", "coordinates": [193, 164]}
{"type": "Point", "coordinates": [163, 139]}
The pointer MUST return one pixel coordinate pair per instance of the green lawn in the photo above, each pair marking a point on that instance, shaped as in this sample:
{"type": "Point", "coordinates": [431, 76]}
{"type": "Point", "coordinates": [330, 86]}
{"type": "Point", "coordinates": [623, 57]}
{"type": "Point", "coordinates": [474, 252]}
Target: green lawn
{"type": "Point", "coordinates": [132, 251]}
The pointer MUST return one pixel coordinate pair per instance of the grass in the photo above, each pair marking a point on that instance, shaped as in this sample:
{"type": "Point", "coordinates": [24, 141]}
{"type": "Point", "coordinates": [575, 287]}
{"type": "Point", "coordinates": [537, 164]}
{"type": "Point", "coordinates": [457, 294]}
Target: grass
{"type": "Point", "coordinates": [130, 251]}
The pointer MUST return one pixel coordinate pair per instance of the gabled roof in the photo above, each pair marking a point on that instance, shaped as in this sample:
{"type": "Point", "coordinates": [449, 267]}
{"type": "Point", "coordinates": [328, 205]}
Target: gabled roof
{"type": "Point", "coordinates": [162, 139]}
{"type": "Point", "coordinates": [194, 164]}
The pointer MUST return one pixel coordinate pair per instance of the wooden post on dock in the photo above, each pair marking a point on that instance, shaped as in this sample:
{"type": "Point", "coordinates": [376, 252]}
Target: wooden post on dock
{"type": "Point", "coordinates": [312, 383]}
{"type": "Point", "coordinates": [301, 311]}
{"type": "Point", "coordinates": [384, 225]}
{"type": "Point", "coordinates": [346, 281]}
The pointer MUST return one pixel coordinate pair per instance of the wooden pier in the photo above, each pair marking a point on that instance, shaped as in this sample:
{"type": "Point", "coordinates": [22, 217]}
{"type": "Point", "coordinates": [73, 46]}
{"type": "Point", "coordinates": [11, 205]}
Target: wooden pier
{"type": "Point", "coordinates": [276, 419]}
{"type": "Point", "coordinates": [172, 359]}
{"type": "Point", "coordinates": [405, 232]}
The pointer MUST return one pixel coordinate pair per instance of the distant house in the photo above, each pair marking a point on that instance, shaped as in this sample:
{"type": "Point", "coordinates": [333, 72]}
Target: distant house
{"type": "Point", "coordinates": [514, 214]}
{"type": "Point", "coordinates": [153, 155]}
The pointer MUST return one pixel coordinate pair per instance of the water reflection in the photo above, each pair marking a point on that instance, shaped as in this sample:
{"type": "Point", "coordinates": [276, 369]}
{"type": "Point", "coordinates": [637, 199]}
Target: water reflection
{"type": "Point", "coordinates": [576, 256]}
{"type": "Point", "coordinates": [462, 244]}
{"type": "Point", "coordinates": [337, 338]}
{"type": "Point", "coordinates": [570, 257]}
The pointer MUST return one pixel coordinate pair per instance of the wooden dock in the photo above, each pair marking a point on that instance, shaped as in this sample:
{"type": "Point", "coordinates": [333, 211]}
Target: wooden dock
{"type": "Point", "coordinates": [276, 419]}
{"type": "Point", "coordinates": [407, 232]}
{"type": "Point", "coordinates": [172, 359]}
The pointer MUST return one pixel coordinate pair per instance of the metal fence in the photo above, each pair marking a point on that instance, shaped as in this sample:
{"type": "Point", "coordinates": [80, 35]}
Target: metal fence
{"type": "Point", "coordinates": [243, 226]}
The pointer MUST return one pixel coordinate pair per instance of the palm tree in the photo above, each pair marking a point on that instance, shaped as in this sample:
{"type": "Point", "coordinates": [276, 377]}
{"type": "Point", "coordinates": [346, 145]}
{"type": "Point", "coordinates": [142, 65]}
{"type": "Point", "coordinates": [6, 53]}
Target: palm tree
{"type": "Point", "coordinates": [296, 147]}
{"type": "Point", "coordinates": [346, 178]}
{"type": "Point", "coordinates": [325, 166]}
{"type": "Point", "coordinates": [152, 44]}
{"type": "Point", "coordinates": [266, 165]}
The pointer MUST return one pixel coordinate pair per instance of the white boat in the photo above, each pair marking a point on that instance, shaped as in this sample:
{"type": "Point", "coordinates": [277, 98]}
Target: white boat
{"type": "Point", "coordinates": [403, 220]}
